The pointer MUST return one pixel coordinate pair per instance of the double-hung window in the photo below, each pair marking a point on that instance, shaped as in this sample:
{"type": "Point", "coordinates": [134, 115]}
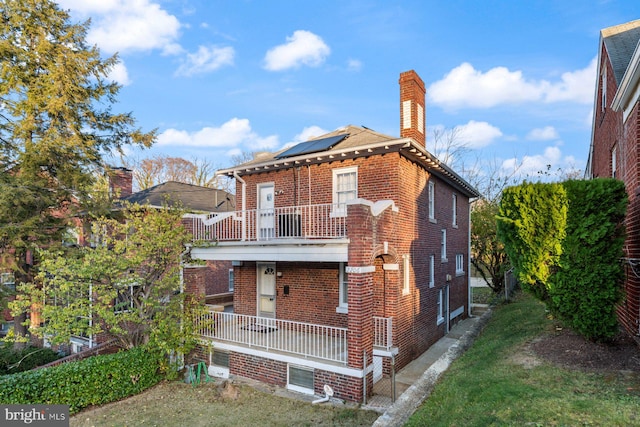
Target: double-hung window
{"type": "Point", "coordinates": [459, 264]}
{"type": "Point", "coordinates": [432, 201]}
{"type": "Point", "coordinates": [443, 245]}
{"type": "Point", "coordinates": [454, 213]}
{"type": "Point", "coordinates": [432, 266]}
{"type": "Point", "coordinates": [343, 305]}
{"type": "Point", "coordinates": [345, 188]}
{"type": "Point", "coordinates": [231, 280]}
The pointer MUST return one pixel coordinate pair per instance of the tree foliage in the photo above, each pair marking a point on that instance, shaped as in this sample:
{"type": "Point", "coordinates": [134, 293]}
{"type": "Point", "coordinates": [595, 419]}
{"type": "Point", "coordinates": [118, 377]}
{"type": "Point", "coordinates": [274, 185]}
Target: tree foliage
{"type": "Point", "coordinates": [586, 289]}
{"type": "Point", "coordinates": [128, 285]}
{"type": "Point", "coordinates": [158, 169]}
{"type": "Point", "coordinates": [487, 251]}
{"type": "Point", "coordinates": [56, 124]}
{"type": "Point", "coordinates": [532, 225]}
{"type": "Point", "coordinates": [566, 244]}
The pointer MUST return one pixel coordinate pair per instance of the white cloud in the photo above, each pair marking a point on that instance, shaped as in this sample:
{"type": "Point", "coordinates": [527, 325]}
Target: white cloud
{"type": "Point", "coordinates": [302, 48]}
{"type": "Point", "coordinates": [533, 165]}
{"type": "Point", "coordinates": [543, 134]}
{"type": "Point", "coordinates": [206, 59]}
{"type": "Point", "coordinates": [231, 134]}
{"type": "Point", "coordinates": [128, 25]}
{"type": "Point", "coordinates": [119, 74]}
{"type": "Point", "coordinates": [476, 134]}
{"type": "Point", "coordinates": [354, 65]}
{"type": "Point", "coordinates": [576, 86]}
{"type": "Point", "coordinates": [466, 87]}
{"type": "Point", "coordinates": [308, 133]}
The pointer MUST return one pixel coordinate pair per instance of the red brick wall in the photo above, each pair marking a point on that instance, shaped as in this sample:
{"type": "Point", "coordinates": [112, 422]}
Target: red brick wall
{"type": "Point", "coordinates": [407, 232]}
{"type": "Point", "coordinates": [258, 368]}
{"type": "Point", "coordinates": [610, 131]}
{"type": "Point", "coordinates": [217, 277]}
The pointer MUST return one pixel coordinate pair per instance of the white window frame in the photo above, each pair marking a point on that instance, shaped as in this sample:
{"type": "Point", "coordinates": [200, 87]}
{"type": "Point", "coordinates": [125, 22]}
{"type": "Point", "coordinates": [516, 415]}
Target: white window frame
{"type": "Point", "coordinates": [343, 286]}
{"type": "Point", "coordinates": [459, 264]}
{"type": "Point", "coordinates": [443, 245]}
{"type": "Point", "coordinates": [614, 161]}
{"type": "Point", "coordinates": [118, 299]}
{"type": "Point", "coordinates": [406, 276]}
{"type": "Point", "coordinates": [340, 207]}
{"type": "Point", "coordinates": [440, 305]}
{"type": "Point", "coordinates": [454, 207]}
{"type": "Point", "coordinates": [603, 99]}
{"type": "Point", "coordinates": [232, 280]}
{"type": "Point", "coordinates": [432, 266]}
{"type": "Point", "coordinates": [432, 201]}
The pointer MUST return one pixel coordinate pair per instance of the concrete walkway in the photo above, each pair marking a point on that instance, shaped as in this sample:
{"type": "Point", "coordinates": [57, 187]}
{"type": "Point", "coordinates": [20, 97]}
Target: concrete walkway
{"type": "Point", "coordinates": [420, 376]}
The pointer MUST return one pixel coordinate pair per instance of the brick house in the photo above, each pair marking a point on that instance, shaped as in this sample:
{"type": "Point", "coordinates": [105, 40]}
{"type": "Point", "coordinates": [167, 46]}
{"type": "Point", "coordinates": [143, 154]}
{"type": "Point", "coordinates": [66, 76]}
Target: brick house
{"type": "Point", "coordinates": [349, 250]}
{"type": "Point", "coordinates": [615, 145]}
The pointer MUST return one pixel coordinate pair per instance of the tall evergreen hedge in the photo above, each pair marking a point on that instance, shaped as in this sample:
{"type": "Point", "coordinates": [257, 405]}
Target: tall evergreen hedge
{"type": "Point", "coordinates": [586, 289]}
{"type": "Point", "coordinates": [565, 242]}
{"type": "Point", "coordinates": [531, 224]}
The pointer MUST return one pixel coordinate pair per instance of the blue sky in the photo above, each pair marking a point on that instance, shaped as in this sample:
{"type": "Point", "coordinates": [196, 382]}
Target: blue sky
{"type": "Point", "coordinates": [515, 79]}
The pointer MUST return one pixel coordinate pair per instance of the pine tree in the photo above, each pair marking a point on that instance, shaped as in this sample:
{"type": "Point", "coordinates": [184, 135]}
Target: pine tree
{"type": "Point", "coordinates": [56, 126]}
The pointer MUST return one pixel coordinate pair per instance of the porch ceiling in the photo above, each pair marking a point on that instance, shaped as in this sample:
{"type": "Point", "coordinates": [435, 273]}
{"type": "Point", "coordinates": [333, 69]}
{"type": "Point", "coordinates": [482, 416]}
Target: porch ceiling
{"type": "Point", "coordinates": [333, 250]}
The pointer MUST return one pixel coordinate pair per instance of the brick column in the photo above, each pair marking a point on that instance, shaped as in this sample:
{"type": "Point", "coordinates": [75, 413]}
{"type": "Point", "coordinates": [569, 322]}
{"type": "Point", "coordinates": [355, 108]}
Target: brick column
{"type": "Point", "coordinates": [193, 277]}
{"type": "Point", "coordinates": [360, 288]}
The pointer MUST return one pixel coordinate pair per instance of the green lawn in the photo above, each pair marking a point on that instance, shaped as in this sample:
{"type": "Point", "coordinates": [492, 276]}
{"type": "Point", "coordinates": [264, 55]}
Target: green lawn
{"type": "Point", "coordinates": [490, 386]}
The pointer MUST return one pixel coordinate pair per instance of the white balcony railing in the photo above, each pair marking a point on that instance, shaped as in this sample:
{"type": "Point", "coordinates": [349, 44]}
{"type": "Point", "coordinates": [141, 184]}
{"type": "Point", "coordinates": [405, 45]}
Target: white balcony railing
{"type": "Point", "coordinates": [383, 332]}
{"type": "Point", "coordinates": [324, 221]}
{"type": "Point", "coordinates": [302, 339]}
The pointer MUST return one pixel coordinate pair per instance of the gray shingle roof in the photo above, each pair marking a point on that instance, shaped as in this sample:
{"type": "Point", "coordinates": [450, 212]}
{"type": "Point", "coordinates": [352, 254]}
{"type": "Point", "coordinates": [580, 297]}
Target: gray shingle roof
{"type": "Point", "coordinates": [191, 197]}
{"type": "Point", "coordinates": [621, 41]}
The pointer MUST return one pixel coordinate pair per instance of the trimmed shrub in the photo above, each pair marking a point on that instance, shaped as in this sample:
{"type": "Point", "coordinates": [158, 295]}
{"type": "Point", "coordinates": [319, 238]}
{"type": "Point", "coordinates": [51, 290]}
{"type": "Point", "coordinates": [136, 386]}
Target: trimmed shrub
{"type": "Point", "coordinates": [587, 288]}
{"type": "Point", "coordinates": [93, 381]}
{"type": "Point", "coordinates": [531, 224]}
{"type": "Point", "coordinates": [14, 361]}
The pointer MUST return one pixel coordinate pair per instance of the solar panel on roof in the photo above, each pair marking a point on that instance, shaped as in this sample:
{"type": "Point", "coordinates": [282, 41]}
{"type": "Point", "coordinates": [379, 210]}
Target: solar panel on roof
{"type": "Point", "coordinates": [312, 146]}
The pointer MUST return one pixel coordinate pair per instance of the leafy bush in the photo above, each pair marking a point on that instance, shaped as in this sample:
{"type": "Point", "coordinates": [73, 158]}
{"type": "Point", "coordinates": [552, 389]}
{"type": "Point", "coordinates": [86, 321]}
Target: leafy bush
{"type": "Point", "coordinates": [14, 361]}
{"type": "Point", "coordinates": [587, 288]}
{"type": "Point", "coordinates": [93, 381]}
{"type": "Point", "coordinates": [531, 224]}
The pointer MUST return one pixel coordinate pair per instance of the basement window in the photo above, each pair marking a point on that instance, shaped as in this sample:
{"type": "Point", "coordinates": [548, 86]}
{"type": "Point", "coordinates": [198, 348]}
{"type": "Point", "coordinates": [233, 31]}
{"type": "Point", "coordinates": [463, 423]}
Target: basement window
{"type": "Point", "coordinates": [300, 379]}
{"type": "Point", "coordinates": [220, 358]}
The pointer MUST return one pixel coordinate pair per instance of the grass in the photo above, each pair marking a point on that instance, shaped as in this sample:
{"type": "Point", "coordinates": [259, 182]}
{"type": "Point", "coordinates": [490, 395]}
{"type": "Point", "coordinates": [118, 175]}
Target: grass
{"type": "Point", "coordinates": [179, 404]}
{"type": "Point", "coordinates": [492, 385]}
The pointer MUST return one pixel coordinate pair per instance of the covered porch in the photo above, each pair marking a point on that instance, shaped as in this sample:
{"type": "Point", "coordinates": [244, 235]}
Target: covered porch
{"type": "Point", "coordinates": [304, 340]}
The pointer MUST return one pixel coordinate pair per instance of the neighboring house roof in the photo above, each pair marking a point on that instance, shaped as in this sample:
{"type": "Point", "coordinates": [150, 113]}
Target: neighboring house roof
{"type": "Point", "coordinates": [621, 41]}
{"type": "Point", "coordinates": [191, 197]}
{"type": "Point", "coordinates": [359, 142]}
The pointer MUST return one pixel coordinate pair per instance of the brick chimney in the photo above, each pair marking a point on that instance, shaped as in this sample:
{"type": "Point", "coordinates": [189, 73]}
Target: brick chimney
{"type": "Point", "coordinates": [120, 182]}
{"type": "Point", "coordinates": [412, 113]}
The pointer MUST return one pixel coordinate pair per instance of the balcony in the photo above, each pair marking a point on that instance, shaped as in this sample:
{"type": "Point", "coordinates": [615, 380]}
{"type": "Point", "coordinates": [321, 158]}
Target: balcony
{"type": "Point", "coordinates": [310, 341]}
{"type": "Point", "coordinates": [323, 221]}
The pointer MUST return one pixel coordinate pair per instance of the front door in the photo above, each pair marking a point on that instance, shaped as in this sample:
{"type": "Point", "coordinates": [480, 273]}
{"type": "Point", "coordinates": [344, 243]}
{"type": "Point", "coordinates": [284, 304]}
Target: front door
{"type": "Point", "coordinates": [267, 290]}
{"type": "Point", "coordinates": [266, 214]}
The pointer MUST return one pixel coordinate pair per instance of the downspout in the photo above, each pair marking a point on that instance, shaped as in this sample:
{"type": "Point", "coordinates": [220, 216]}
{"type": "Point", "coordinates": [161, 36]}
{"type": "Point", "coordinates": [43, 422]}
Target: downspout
{"type": "Point", "coordinates": [244, 206]}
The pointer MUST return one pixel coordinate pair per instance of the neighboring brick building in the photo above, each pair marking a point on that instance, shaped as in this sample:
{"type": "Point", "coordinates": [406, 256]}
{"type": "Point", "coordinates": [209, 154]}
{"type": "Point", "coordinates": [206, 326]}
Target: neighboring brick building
{"type": "Point", "coordinates": [349, 250]}
{"type": "Point", "coordinates": [615, 141]}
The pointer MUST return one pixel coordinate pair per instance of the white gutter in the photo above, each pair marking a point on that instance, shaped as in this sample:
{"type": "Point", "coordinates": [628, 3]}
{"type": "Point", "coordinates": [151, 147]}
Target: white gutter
{"type": "Point", "coordinates": [244, 202]}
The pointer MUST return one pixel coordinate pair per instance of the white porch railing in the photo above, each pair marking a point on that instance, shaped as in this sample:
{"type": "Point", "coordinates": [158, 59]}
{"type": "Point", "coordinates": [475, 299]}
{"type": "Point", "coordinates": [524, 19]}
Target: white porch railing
{"type": "Point", "coordinates": [383, 332]}
{"type": "Point", "coordinates": [302, 339]}
{"type": "Point", "coordinates": [293, 222]}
